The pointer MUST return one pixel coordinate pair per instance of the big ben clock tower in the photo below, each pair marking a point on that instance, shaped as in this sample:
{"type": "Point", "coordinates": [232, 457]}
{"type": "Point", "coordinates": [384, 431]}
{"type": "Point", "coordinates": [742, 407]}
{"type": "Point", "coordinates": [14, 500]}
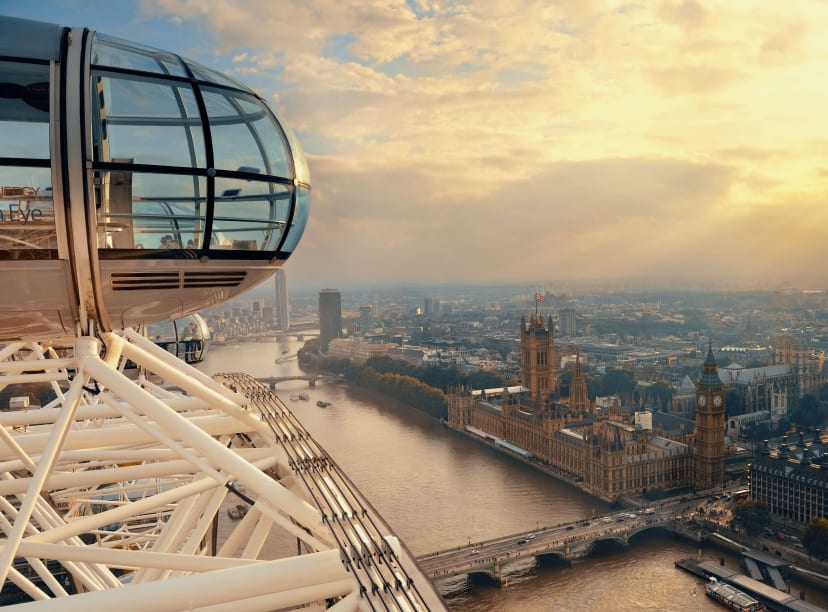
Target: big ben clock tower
{"type": "Point", "coordinates": [710, 426]}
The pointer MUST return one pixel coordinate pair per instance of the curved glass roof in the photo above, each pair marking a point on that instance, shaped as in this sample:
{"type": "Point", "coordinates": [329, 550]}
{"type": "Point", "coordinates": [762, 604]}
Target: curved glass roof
{"type": "Point", "coordinates": [209, 167]}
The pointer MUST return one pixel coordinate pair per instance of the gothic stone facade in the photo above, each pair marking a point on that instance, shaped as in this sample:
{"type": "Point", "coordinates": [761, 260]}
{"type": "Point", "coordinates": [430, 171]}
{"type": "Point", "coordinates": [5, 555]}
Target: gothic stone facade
{"type": "Point", "coordinates": [608, 458]}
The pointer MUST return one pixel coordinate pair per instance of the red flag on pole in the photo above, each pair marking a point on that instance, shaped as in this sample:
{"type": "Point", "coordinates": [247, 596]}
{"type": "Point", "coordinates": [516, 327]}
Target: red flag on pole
{"type": "Point", "coordinates": [538, 297]}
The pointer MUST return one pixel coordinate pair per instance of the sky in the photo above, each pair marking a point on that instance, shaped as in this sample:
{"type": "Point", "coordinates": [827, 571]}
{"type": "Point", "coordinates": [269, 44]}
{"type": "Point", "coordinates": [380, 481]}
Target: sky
{"type": "Point", "coordinates": [499, 141]}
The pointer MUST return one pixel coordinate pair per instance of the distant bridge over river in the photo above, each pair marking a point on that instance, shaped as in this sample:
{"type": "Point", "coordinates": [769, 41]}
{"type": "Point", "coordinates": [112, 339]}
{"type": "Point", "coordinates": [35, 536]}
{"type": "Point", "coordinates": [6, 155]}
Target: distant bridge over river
{"type": "Point", "coordinates": [312, 379]}
{"type": "Point", "coordinates": [269, 336]}
{"type": "Point", "coordinates": [559, 544]}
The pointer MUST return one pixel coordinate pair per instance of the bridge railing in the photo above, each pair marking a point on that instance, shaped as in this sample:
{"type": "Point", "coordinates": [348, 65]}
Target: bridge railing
{"type": "Point", "coordinates": [651, 520]}
{"type": "Point", "coordinates": [506, 538]}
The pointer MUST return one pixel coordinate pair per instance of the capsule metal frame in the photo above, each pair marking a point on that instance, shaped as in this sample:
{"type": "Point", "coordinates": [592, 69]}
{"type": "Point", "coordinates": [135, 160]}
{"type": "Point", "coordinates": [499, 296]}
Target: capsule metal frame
{"type": "Point", "coordinates": [135, 186]}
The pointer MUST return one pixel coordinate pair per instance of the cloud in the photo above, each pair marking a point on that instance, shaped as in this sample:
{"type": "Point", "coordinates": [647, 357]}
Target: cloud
{"type": "Point", "coordinates": [489, 140]}
{"type": "Point", "coordinates": [546, 224]}
{"type": "Point", "coordinates": [688, 14]}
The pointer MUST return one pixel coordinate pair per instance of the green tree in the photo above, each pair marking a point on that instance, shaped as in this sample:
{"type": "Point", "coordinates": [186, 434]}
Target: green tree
{"type": "Point", "coordinates": [810, 412]}
{"type": "Point", "coordinates": [754, 516]}
{"type": "Point", "coordinates": [815, 537]}
{"type": "Point", "coordinates": [309, 354]}
{"type": "Point", "coordinates": [483, 379]}
{"type": "Point", "coordinates": [619, 381]}
{"type": "Point", "coordinates": [388, 365]}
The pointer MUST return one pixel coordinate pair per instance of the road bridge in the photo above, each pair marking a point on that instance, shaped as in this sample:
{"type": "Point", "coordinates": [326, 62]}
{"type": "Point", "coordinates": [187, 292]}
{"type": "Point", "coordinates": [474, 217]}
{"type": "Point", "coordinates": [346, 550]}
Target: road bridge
{"type": "Point", "coordinates": [312, 379]}
{"type": "Point", "coordinates": [558, 544]}
{"type": "Point", "coordinates": [269, 336]}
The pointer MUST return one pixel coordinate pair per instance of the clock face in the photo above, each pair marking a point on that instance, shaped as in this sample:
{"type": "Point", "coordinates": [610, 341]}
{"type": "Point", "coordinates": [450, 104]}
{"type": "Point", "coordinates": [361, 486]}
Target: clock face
{"type": "Point", "coordinates": [702, 401]}
{"type": "Point", "coordinates": [717, 400]}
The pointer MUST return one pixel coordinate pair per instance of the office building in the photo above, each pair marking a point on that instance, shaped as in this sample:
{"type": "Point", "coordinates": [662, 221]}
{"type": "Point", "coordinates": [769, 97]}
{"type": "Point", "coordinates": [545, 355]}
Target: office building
{"type": "Point", "coordinates": [330, 316]}
{"type": "Point", "coordinates": [431, 308]}
{"type": "Point", "coordinates": [282, 305]}
{"type": "Point", "coordinates": [793, 478]}
{"type": "Point", "coordinates": [567, 322]}
{"type": "Point", "coordinates": [366, 319]}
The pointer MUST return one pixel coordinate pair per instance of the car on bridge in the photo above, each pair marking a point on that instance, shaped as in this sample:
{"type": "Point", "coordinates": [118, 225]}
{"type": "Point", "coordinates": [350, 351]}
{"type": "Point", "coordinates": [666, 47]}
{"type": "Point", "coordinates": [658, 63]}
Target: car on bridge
{"type": "Point", "coordinates": [522, 541]}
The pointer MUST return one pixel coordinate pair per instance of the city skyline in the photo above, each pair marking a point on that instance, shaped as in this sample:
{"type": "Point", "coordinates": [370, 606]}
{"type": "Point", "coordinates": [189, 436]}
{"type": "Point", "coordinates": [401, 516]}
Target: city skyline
{"type": "Point", "coordinates": [489, 144]}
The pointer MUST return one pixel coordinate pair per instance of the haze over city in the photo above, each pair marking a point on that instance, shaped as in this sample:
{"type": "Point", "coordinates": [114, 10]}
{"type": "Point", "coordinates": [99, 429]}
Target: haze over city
{"type": "Point", "coordinates": [491, 142]}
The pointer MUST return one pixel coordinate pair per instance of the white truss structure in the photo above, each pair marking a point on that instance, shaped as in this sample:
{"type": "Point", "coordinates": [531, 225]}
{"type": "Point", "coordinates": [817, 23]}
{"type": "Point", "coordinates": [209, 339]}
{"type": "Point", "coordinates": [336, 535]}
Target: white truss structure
{"type": "Point", "coordinates": [110, 495]}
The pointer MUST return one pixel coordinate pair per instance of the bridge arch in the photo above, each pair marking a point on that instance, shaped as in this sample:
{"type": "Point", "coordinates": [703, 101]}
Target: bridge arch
{"type": "Point", "coordinates": [486, 575]}
{"type": "Point", "coordinates": [647, 528]}
{"type": "Point", "coordinates": [607, 543]}
{"type": "Point", "coordinates": [273, 381]}
{"type": "Point", "coordinates": [552, 557]}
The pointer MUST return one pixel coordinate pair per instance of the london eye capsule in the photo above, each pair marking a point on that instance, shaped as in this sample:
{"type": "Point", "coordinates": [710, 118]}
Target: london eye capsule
{"type": "Point", "coordinates": [135, 186]}
{"type": "Point", "coordinates": [187, 338]}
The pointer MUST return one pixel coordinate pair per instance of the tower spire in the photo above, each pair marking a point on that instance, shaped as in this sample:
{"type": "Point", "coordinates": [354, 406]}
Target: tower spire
{"type": "Point", "coordinates": [538, 359]}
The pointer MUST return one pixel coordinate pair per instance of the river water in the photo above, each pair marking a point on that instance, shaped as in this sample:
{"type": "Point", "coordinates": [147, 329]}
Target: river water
{"type": "Point", "coordinates": [438, 489]}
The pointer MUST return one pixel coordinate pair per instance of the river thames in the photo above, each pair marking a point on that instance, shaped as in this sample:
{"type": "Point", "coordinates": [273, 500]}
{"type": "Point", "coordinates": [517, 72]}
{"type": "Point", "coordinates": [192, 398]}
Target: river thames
{"type": "Point", "coordinates": [438, 489]}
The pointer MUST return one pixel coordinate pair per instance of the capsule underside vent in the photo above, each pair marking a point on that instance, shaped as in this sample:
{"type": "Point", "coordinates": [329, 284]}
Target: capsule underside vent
{"type": "Point", "coordinates": [142, 281]}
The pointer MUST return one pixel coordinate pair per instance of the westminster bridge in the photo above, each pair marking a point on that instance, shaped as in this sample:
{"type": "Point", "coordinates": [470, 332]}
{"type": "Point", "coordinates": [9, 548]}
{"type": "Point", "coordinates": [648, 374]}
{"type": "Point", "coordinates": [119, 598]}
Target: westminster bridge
{"type": "Point", "coordinates": [559, 544]}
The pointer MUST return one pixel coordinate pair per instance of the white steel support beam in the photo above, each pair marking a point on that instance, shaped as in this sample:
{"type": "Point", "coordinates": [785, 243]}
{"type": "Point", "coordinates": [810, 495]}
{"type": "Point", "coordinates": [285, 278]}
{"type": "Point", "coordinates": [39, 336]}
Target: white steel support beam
{"type": "Point", "coordinates": [129, 559]}
{"type": "Point", "coordinates": [205, 444]}
{"type": "Point", "coordinates": [322, 573]}
{"type": "Point", "coordinates": [120, 488]}
{"type": "Point", "coordinates": [47, 460]}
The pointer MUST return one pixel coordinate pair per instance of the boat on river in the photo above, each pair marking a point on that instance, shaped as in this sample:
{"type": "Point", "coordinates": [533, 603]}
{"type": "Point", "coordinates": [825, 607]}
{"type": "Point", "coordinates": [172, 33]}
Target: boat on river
{"type": "Point", "coordinates": [323, 404]}
{"type": "Point", "coordinates": [300, 396]}
{"type": "Point", "coordinates": [732, 597]}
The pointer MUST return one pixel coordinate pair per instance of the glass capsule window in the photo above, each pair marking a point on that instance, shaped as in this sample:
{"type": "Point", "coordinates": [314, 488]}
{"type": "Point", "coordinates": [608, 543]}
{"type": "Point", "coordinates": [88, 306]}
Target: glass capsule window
{"type": "Point", "coordinates": [300, 219]}
{"type": "Point", "coordinates": [249, 215]}
{"type": "Point", "coordinates": [139, 212]}
{"type": "Point", "coordinates": [186, 159]}
{"type": "Point", "coordinates": [245, 136]}
{"type": "Point", "coordinates": [115, 53]}
{"type": "Point", "coordinates": [147, 122]}
{"type": "Point", "coordinates": [27, 215]}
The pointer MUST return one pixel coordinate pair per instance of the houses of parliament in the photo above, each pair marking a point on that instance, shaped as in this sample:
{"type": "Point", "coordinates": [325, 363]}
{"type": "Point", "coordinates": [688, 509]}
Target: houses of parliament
{"type": "Point", "coordinates": [608, 453]}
